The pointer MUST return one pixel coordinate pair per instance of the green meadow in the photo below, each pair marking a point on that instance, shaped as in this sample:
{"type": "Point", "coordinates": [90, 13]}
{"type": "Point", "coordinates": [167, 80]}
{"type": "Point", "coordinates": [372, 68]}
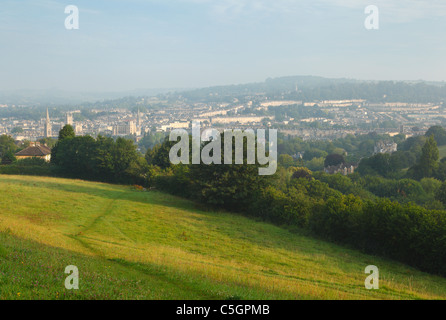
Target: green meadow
{"type": "Point", "coordinates": [132, 244]}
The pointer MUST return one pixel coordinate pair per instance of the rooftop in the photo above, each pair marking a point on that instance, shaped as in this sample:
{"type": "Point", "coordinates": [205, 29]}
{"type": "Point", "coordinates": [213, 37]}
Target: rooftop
{"type": "Point", "coordinates": [34, 151]}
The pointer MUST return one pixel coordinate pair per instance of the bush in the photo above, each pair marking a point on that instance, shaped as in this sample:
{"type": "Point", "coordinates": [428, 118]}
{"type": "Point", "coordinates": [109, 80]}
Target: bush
{"type": "Point", "coordinates": [338, 219]}
{"type": "Point", "coordinates": [407, 233]}
{"type": "Point", "coordinates": [301, 173]}
{"type": "Point", "coordinates": [32, 162]}
{"type": "Point", "coordinates": [49, 171]}
{"type": "Point", "coordinates": [8, 158]}
{"type": "Point", "coordinates": [173, 180]}
{"type": "Point", "coordinates": [291, 208]}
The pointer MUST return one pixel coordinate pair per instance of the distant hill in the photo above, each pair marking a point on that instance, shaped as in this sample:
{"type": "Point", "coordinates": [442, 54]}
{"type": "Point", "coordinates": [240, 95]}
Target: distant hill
{"type": "Point", "coordinates": [131, 244]}
{"type": "Point", "coordinates": [306, 88]}
{"type": "Point", "coordinates": [309, 88]}
{"type": "Point", "coordinates": [60, 97]}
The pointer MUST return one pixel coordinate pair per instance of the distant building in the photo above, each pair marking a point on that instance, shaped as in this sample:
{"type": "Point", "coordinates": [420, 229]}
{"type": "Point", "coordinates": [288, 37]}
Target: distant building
{"type": "Point", "coordinates": [47, 127]}
{"type": "Point", "coordinates": [176, 125]}
{"type": "Point", "coordinates": [69, 118]}
{"type": "Point", "coordinates": [138, 119]}
{"type": "Point", "coordinates": [385, 147]}
{"type": "Point", "coordinates": [298, 155]}
{"type": "Point", "coordinates": [344, 169]}
{"type": "Point", "coordinates": [124, 129]}
{"type": "Point", "coordinates": [35, 151]}
{"type": "Point", "coordinates": [78, 129]}
{"type": "Point", "coordinates": [240, 120]}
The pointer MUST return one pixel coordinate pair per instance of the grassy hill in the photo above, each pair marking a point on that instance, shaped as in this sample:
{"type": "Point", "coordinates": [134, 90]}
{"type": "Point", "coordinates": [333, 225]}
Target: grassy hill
{"type": "Point", "coordinates": [130, 244]}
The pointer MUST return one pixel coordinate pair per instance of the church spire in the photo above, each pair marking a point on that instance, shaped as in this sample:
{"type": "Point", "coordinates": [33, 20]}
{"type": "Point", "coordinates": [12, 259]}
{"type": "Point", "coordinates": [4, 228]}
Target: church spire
{"type": "Point", "coordinates": [47, 132]}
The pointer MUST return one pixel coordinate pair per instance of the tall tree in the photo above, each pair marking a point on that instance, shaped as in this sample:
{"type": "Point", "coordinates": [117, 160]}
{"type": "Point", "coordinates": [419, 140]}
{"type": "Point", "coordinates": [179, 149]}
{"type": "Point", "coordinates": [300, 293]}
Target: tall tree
{"type": "Point", "coordinates": [232, 186]}
{"type": "Point", "coordinates": [439, 134]}
{"type": "Point", "coordinates": [7, 144]}
{"type": "Point", "coordinates": [8, 158]}
{"type": "Point", "coordinates": [66, 132]}
{"type": "Point", "coordinates": [334, 159]}
{"type": "Point", "coordinates": [428, 163]}
{"type": "Point", "coordinates": [159, 154]}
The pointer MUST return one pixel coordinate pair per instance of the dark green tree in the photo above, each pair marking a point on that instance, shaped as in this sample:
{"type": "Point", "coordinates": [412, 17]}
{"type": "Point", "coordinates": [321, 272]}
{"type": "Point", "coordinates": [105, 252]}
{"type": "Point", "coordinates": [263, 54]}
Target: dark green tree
{"type": "Point", "coordinates": [151, 140]}
{"type": "Point", "coordinates": [286, 161]}
{"type": "Point", "coordinates": [232, 186]}
{"type": "Point", "coordinates": [428, 163]}
{"type": "Point", "coordinates": [159, 154]}
{"type": "Point", "coordinates": [76, 156]}
{"type": "Point", "coordinates": [439, 134]}
{"type": "Point", "coordinates": [377, 164]}
{"type": "Point", "coordinates": [8, 158]}
{"type": "Point", "coordinates": [66, 132]}
{"type": "Point", "coordinates": [334, 159]}
{"type": "Point", "coordinates": [440, 195]}
{"type": "Point", "coordinates": [301, 173]}
{"type": "Point", "coordinates": [124, 156]}
{"type": "Point", "coordinates": [49, 142]}
{"type": "Point", "coordinates": [440, 174]}
{"type": "Point", "coordinates": [7, 143]}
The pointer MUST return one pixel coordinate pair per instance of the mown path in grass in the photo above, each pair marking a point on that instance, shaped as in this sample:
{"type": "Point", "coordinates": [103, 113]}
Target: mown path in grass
{"type": "Point", "coordinates": [130, 244]}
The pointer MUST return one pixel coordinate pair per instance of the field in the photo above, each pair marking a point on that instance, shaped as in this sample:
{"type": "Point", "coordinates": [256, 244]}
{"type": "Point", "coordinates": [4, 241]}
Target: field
{"type": "Point", "coordinates": [131, 244]}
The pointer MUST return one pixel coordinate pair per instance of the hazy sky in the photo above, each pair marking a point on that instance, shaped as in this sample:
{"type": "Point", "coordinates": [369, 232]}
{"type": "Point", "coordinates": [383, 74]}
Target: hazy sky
{"type": "Point", "coordinates": [129, 44]}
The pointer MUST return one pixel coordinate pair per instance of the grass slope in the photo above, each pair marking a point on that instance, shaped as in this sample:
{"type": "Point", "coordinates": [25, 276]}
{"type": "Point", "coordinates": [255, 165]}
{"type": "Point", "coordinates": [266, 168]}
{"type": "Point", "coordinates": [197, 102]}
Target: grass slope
{"type": "Point", "coordinates": [130, 244]}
